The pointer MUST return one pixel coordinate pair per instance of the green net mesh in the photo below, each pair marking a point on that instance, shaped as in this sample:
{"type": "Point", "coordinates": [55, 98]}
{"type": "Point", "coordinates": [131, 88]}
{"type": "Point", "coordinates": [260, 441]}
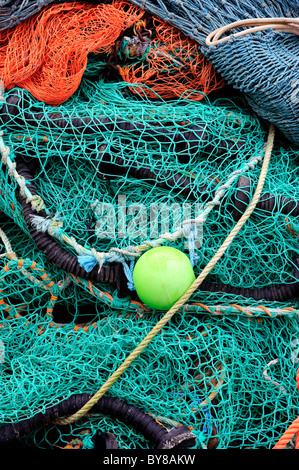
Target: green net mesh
{"type": "Point", "coordinates": [110, 170]}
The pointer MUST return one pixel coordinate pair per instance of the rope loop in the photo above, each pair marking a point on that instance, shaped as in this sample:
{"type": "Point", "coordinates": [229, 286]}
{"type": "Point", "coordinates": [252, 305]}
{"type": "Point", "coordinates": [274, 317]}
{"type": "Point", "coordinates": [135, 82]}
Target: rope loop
{"type": "Point", "coordinates": [286, 25]}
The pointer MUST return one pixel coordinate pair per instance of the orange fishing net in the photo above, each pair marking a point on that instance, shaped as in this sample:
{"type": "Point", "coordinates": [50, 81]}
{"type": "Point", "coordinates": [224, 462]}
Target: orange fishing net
{"type": "Point", "coordinates": [173, 64]}
{"type": "Point", "coordinates": [47, 53]}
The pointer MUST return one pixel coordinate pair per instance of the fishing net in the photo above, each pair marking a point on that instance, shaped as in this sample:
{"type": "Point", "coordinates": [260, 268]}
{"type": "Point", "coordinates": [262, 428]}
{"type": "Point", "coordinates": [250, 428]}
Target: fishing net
{"type": "Point", "coordinates": [263, 64]}
{"type": "Point", "coordinates": [110, 146]}
{"type": "Point", "coordinates": [47, 53]}
{"type": "Point", "coordinates": [101, 39]}
{"type": "Point", "coordinates": [85, 183]}
{"type": "Point", "coordinates": [14, 12]}
{"type": "Point", "coordinates": [165, 60]}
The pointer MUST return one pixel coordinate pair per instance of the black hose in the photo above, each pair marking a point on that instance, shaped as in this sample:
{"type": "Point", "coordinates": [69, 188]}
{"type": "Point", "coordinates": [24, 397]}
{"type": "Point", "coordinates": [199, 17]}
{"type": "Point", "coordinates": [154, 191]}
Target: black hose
{"type": "Point", "coordinates": [110, 168]}
{"type": "Point", "coordinates": [267, 202]}
{"type": "Point", "coordinates": [186, 143]}
{"type": "Point", "coordinates": [177, 438]}
{"type": "Point", "coordinates": [271, 293]}
{"type": "Point", "coordinates": [114, 273]}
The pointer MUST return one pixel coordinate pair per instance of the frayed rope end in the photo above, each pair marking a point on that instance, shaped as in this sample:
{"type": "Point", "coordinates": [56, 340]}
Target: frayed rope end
{"type": "Point", "coordinates": [129, 273]}
{"type": "Point", "coordinates": [87, 262]}
{"type": "Point", "coordinates": [41, 224]}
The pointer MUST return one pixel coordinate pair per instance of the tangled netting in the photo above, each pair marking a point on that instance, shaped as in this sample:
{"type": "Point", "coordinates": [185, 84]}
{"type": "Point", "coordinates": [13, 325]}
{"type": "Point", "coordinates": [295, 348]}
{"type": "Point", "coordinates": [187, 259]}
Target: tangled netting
{"type": "Point", "coordinates": [262, 64]}
{"type": "Point", "coordinates": [86, 187]}
{"type": "Point", "coordinates": [165, 60]}
{"type": "Point", "coordinates": [48, 53]}
{"type": "Point", "coordinates": [14, 12]}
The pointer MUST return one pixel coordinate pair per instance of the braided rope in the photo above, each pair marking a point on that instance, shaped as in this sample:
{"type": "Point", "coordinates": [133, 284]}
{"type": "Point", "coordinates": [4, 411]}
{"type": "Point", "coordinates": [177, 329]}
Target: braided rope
{"type": "Point", "coordinates": [157, 328]}
{"type": "Point", "coordinates": [292, 430]}
{"type": "Point", "coordinates": [11, 255]}
{"type": "Point", "coordinates": [288, 434]}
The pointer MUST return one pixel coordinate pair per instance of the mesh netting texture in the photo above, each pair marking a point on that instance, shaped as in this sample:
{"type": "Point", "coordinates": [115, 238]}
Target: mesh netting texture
{"type": "Point", "coordinates": [262, 64]}
{"type": "Point", "coordinates": [124, 161]}
{"type": "Point", "coordinates": [113, 38]}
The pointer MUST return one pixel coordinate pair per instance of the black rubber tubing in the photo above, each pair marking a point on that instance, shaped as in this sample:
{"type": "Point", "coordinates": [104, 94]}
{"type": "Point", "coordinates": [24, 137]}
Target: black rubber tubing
{"type": "Point", "coordinates": [186, 143]}
{"type": "Point", "coordinates": [112, 167]}
{"type": "Point", "coordinates": [267, 202]}
{"type": "Point", "coordinates": [114, 273]}
{"type": "Point", "coordinates": [177, 438]}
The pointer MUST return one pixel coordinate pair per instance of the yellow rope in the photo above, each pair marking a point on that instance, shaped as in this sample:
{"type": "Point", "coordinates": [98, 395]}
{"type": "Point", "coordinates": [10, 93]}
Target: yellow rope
{"type": "Point", "coordinates": [157, 328]}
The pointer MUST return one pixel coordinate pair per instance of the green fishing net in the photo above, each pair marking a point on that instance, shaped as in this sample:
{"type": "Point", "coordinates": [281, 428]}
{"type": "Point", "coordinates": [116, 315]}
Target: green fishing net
{"type": "Point", "coordinates": [110, 170]}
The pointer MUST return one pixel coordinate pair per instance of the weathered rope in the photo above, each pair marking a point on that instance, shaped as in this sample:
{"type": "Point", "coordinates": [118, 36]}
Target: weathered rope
{"type": "Point", "coordinates": [11, 255]}
{"type": "Point", "coordinates": [157, 328]}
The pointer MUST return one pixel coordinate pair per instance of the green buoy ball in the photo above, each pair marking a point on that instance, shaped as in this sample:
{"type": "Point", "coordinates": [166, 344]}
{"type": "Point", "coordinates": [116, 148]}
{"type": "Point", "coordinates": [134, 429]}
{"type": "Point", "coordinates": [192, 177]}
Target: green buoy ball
{"type": "Point", "coordinates": [161, 276]}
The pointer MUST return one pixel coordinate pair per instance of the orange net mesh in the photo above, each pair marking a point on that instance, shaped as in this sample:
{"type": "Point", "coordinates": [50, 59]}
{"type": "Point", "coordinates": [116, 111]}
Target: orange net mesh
{"type": "Point", "coordinates": [47, 53]}
{"type": "Point", "coordinates": [173, 65]}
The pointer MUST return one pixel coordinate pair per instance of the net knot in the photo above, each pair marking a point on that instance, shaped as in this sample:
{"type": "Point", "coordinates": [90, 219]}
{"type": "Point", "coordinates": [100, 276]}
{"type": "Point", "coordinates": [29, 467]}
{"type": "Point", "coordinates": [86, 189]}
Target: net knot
{"type": "Point", "coordinates": [128, 270]}
{"type": "Point", "coordinates": [37, 203]}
